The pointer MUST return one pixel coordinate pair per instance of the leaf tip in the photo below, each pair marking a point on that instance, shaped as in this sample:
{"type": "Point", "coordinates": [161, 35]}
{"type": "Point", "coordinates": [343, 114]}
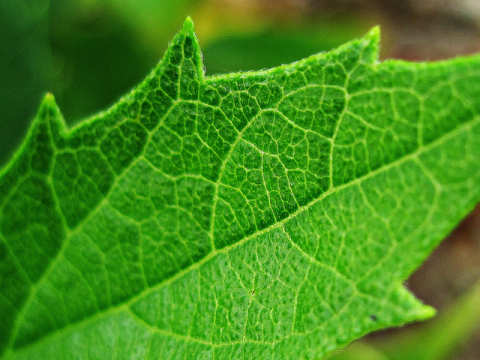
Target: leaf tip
{"type": "Point", "coordinates": [426, 312]}
{"type": "Point", "coordinates": [374, 34]}
{"type": "Point", "coordinates": [48, 108]}
{"type": "Point", "coordinates": [417, 311]}
{"type": "Point", "coordinates": [49, 99]}
{"type": "Point", "coordinates": [49, 112]}
{"type": "Point", "coordinates": [371, 45]}
{"type": "Point", "coordinates": [188, 25]}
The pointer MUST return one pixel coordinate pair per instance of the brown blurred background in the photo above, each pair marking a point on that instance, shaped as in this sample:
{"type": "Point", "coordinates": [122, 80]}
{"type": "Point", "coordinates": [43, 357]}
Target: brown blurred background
{"type": "Point", "coordinates": [90, 52]}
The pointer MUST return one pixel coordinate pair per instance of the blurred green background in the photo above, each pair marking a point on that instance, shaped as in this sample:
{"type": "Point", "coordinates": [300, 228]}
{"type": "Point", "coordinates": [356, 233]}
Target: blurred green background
{"type": "Point", "coordinates": [90, 52]}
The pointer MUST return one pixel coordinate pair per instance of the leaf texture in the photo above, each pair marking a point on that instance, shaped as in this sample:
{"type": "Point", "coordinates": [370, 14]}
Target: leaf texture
{"type": "Point", "coordinates": [260, 215]}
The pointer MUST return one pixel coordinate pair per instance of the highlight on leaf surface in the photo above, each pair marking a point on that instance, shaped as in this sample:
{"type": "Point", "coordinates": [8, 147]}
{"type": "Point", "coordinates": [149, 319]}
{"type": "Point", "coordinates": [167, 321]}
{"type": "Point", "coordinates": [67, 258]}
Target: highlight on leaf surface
{"type": "Point", "coordinates": [261, 215]}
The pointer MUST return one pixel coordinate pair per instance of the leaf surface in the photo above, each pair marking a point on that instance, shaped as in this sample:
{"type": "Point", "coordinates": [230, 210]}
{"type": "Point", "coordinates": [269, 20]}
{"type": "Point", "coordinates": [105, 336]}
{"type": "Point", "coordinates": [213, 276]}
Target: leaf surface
{"type": "Point", "coordinates": [260, 215]}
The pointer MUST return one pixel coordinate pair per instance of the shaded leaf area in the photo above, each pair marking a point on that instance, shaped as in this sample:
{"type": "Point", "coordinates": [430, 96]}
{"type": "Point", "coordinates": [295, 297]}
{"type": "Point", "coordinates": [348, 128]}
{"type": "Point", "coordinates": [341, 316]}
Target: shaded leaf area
{"type": "Point", "coordinates": [269, 214]}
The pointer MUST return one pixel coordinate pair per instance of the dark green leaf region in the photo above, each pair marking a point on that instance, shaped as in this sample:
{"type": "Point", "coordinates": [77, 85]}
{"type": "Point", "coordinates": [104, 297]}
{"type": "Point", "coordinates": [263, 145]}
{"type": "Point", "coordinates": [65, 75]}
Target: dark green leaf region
{"type": "Point", "coordinates": [260, 215]}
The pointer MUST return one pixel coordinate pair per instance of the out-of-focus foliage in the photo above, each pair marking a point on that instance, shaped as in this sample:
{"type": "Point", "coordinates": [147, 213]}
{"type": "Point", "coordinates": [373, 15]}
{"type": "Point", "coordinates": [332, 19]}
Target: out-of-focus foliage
{"type": "Point", "coordinates": [269, 48]}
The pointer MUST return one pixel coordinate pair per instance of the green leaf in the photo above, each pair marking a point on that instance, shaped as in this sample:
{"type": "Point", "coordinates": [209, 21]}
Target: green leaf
{"type": "Point", "coordinates": [262, 215]}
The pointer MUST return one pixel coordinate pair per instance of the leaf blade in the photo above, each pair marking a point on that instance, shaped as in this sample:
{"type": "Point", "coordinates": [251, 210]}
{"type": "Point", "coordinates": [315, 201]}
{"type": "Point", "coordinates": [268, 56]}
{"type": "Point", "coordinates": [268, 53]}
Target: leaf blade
{"type": "Point", "coordinates": [226, 217]}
